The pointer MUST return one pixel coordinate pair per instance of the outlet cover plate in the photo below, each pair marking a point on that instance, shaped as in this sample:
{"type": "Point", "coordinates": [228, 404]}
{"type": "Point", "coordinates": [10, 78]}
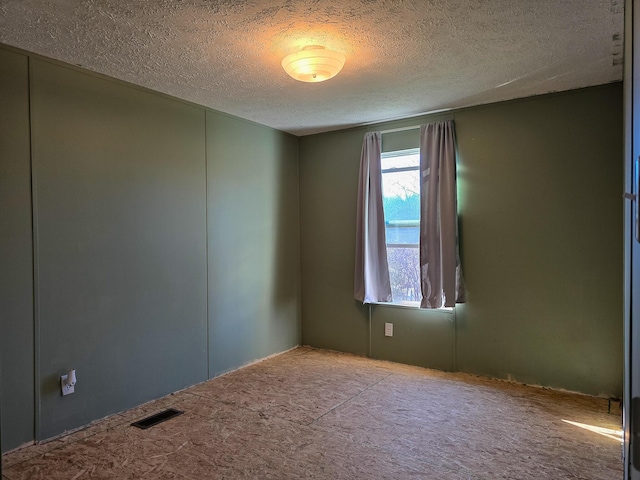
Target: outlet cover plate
{"type": "Point", "coordinates": [66, 389]}
{"type": "Point", "coordinates": [388, 329]}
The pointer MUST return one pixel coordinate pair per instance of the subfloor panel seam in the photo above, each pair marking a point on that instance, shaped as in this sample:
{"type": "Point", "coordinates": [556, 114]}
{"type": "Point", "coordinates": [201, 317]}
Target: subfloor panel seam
{"type": "Point", "coordinates": [351, 398]}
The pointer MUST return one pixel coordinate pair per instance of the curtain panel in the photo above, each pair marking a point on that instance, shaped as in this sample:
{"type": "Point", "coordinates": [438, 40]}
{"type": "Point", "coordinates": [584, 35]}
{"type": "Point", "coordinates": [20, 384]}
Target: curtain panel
{"type": "Point", "coordinates": [441, 276]}
{"type": "Point", "coordinates": [371, 281]}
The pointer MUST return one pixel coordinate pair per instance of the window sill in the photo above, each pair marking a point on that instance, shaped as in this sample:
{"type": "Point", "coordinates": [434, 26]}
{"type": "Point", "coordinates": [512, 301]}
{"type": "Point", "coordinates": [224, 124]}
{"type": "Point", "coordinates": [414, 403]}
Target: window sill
{"type": "Point", "coordinates": [413, 306]}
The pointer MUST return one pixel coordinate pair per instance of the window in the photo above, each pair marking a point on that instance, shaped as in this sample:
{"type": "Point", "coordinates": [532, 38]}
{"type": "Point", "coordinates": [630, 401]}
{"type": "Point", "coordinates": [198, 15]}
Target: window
{"type": "Point", "coordinates": [401, 204]}
{"type": "Point", "coordinates": [391, 184]}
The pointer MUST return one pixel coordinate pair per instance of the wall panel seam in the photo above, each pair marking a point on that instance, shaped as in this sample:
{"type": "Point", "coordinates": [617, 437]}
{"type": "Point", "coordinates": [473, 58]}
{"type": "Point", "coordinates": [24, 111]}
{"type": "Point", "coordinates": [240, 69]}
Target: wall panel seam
{"type": "Point", "coordinates": [35, 258]}
{"type": "Point", "coordinates": [206, 235]}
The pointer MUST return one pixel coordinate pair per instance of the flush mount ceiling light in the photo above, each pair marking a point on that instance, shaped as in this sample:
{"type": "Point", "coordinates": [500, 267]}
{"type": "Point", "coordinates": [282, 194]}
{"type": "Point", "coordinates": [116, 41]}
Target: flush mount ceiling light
{"type": "Point", "coordinates": [313, 63]}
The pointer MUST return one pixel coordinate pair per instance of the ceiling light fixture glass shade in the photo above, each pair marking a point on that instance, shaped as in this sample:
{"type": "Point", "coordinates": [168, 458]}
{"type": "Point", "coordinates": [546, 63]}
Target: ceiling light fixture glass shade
{"type": "Point", "coordinates": [313, 63]}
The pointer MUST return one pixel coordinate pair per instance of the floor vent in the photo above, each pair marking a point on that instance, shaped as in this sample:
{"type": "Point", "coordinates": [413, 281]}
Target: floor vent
{"type": "Point", "coordinates": [157, 418]}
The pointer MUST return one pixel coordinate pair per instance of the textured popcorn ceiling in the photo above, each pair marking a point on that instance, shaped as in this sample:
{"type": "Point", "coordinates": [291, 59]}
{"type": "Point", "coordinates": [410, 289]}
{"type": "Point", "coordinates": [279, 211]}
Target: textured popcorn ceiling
{"type": "Point", "coordinates": [404, 57]}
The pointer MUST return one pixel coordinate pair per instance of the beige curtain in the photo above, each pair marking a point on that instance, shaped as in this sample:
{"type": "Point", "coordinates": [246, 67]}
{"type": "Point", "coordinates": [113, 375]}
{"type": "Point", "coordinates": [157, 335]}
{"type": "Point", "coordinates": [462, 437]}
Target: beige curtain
{"type": "Point", "coordinates": [441, 276]}
{"type": "Point", "coordinates": [371, 282]}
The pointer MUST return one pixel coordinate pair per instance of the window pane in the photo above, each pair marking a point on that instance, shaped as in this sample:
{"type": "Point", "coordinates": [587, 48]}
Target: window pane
{"type": "Point", "coordinates": [402, 185]}
{"type": "Point", "coordinates": [404, 273]}
{"type": "Point", "coordinates": [401, 203]}
{"type": "Point", "coordinates": [403, 234]}
{"type": "Point", "coordinates": [400, 161]}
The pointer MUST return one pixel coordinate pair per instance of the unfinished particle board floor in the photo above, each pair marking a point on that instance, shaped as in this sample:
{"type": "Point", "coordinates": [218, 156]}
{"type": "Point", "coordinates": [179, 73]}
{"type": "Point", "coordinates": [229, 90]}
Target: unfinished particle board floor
{"type": "Point", "coordinates": [325, 415]}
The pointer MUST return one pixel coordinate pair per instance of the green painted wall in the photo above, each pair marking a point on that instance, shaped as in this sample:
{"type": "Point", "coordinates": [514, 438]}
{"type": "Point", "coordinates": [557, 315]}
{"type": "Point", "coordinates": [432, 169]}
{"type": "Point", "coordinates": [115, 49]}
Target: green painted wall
{"type": "Point", "coordinates": [254, 260]}
{"type": "Point", "coordinates": [420, 337]}
{"type": "Point", "coordinates": [16, 267]}
{"type": "Point", "coordinates": [120, 201]}
{"type": "Point", "coordinates": [166, 244]}
{"type": "Point", "coordinates": [540, 183]}
{"type": "Point", "coordinates": [331, 318]}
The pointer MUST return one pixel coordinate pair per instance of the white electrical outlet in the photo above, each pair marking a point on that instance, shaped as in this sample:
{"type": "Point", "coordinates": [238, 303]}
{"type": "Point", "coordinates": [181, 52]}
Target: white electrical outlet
{"type": "Point", "coordinates": [388, 329]}
{"type": "Point", "coordinates": [68, 382]}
